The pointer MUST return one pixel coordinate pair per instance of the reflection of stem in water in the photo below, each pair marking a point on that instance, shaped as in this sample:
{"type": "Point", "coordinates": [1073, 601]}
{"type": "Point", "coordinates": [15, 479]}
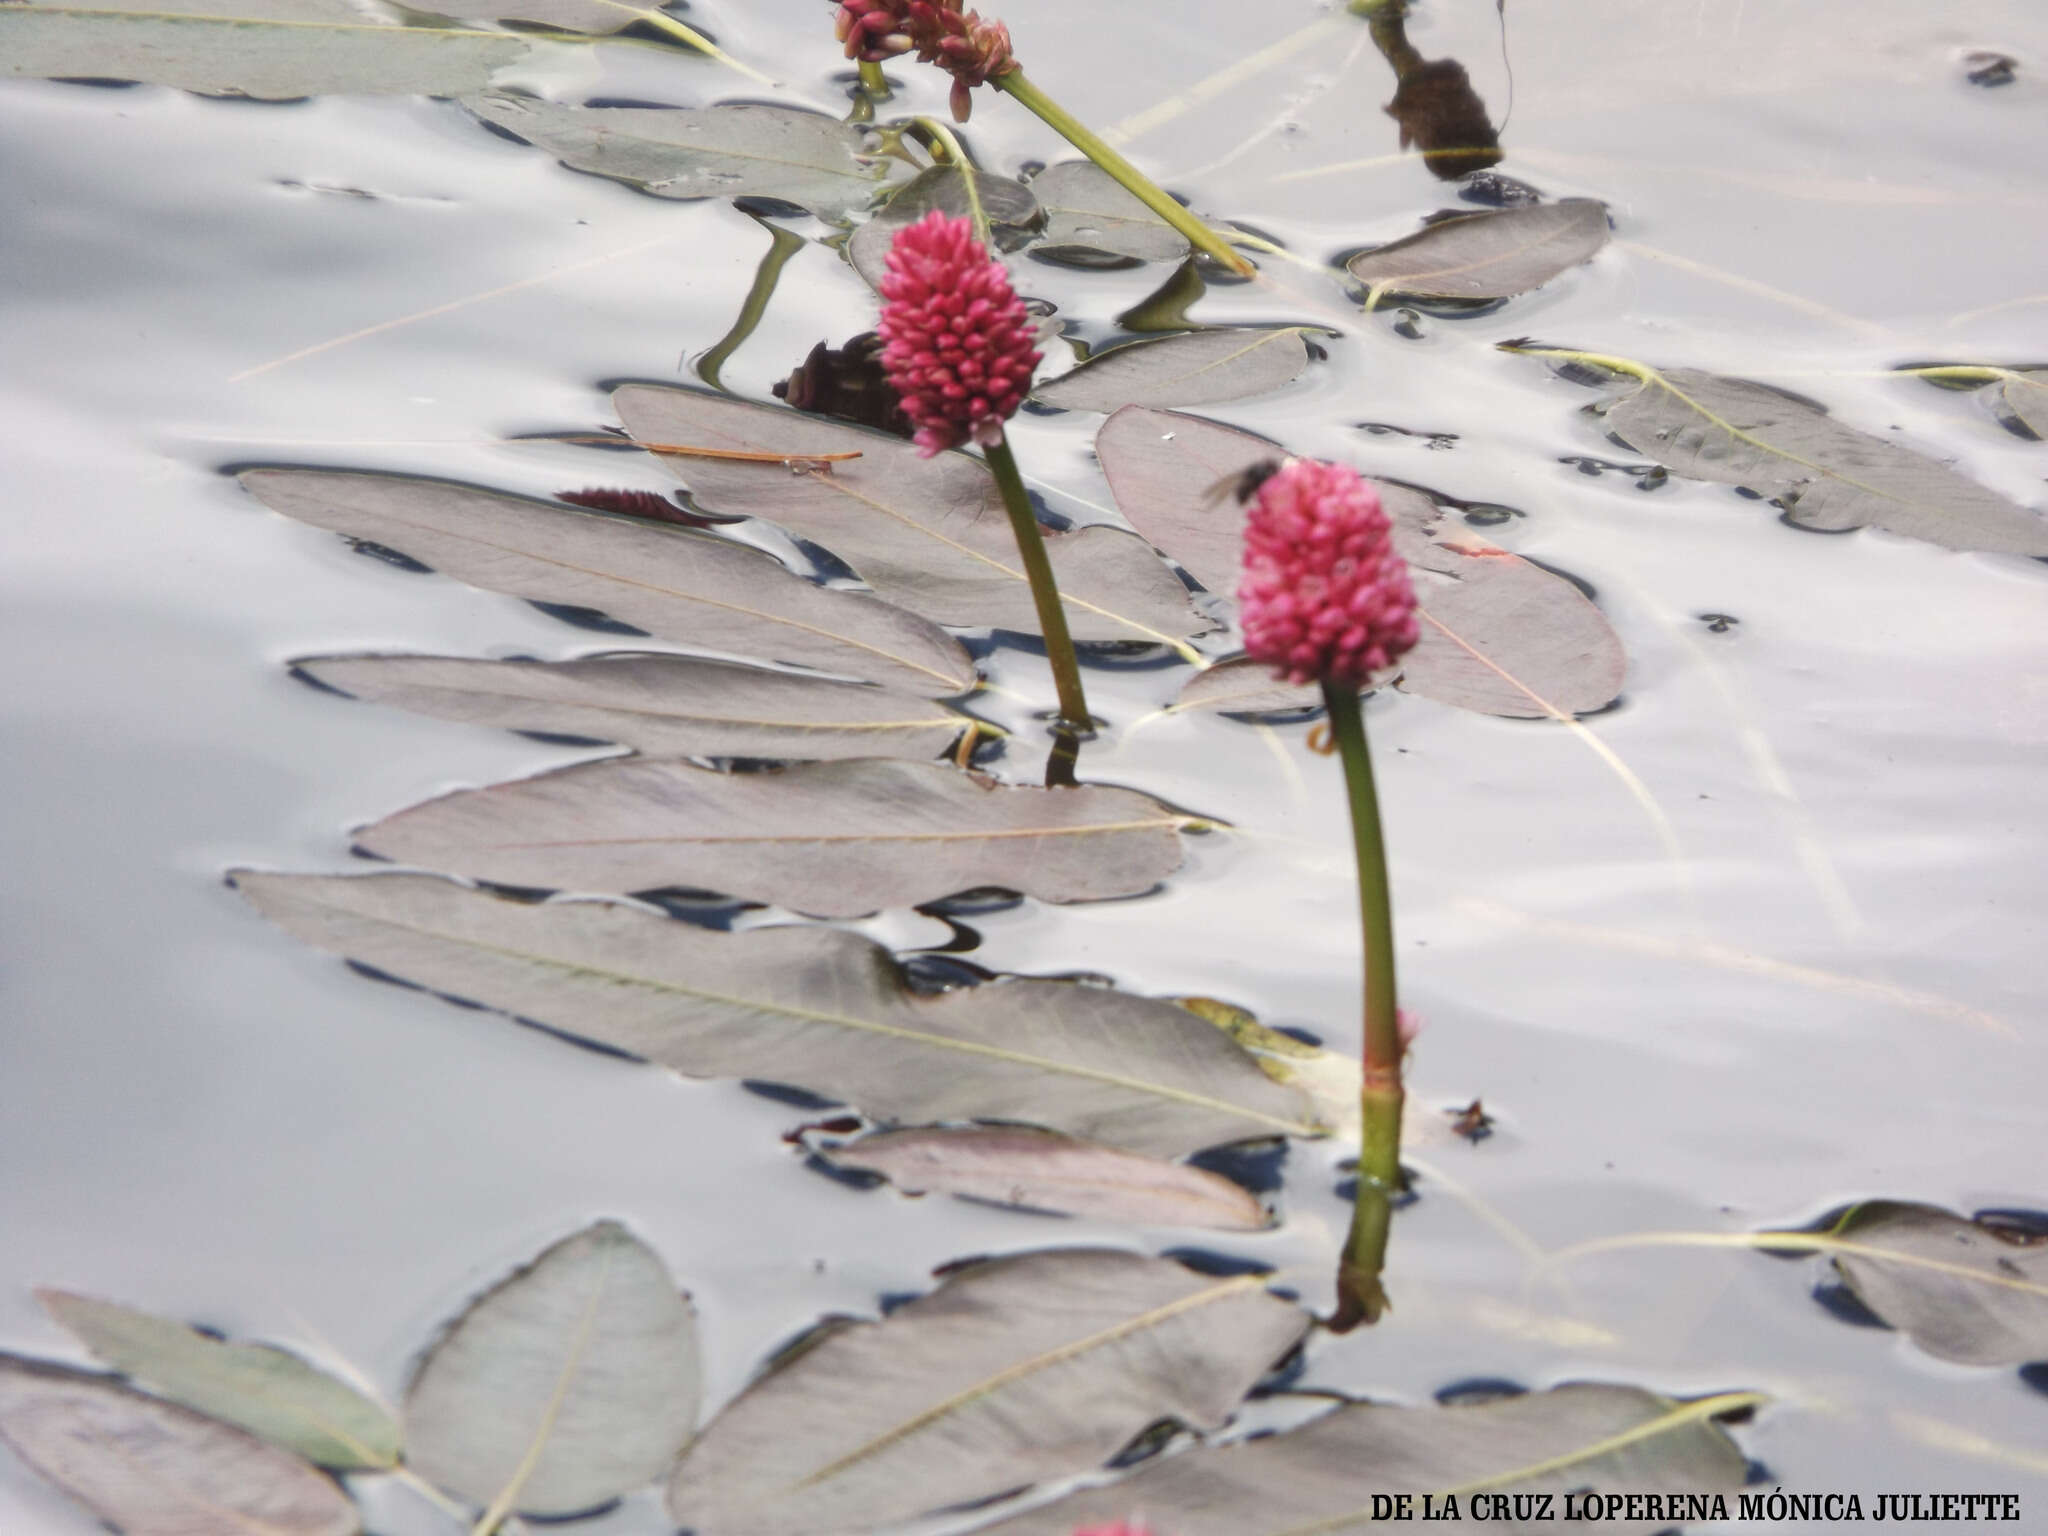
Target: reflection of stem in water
{"type": "Point", "coordinates": [1045, 593]}
{"type": "Point", "coordinates": [1360, 1297]}
{"type": "Point", "coordinates": [1433, 98]}
{"type": "Point", "coordinates": [1127, 175]}
{"type": "Point", "coordinates": [782, 246]}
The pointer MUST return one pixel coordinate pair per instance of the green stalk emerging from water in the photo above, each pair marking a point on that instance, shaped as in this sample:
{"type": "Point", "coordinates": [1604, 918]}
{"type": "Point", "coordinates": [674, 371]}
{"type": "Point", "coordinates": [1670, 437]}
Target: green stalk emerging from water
{"type": "Point", "coordinates": [1045, 594]}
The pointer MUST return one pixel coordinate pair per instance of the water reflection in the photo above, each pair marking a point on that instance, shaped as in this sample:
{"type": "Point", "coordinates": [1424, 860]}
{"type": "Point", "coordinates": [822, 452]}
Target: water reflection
{"type": "Point", "coordinates": [1434, 102]}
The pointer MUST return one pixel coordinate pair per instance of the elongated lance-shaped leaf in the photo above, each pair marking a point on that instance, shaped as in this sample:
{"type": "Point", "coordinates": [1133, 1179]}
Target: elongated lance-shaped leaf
{"type": "Point", "coordinates": [819, 1007]}
{"type": "Point", "coordinates": [1320, 1479]}
{"type": "Point", "coordinates": [1006, 203]}
{"type": "Point", "coordinates": [266, 1391]}
{"type": "Point", "coordinates": [2026, 396]}
{"type": "Point", "coordinates": [1042, 1170]}
{"type": "Point", "coordinates": [693, 152]}
{"type": "Point", "coordinates": [1486, 255]}
{"type": "Point", "coordinates": [1088, 214]}
{"type": "Point", "coordinates": [1499, 635]}
{"type": "Point", "coordinates": [1827, 476]}
{"type": "Point", "coordinates": [153, 1468]}
{"type": "Point", "coordinates": [272, 53]}
{"type": "Point", "coordinates": [1025, 1368]}
{"type": "Point", "coordinates": [682, 706]}
{"type": "Point", "coordinates": [678, 584]}
{"type": "Point", "coordinates": [1969, 1291]}
{"type": "Point", "coordinates": [828, 839]}
{"type": "Point", "coordinates": [1194, 368]}
{"type": "Point", "coordinates": [927, 533]}
{"type": "Point", "coordinates": [564, 1386]}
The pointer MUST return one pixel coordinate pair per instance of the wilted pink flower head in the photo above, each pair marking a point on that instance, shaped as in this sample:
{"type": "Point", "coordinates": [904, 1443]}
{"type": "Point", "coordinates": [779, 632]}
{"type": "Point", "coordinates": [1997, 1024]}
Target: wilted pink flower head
{"type": "Point", "coordinates": [957, 341]}
{"type": "Point", "coordinates": [1324, 595]}
{"type": "Point", "coordinates": [970, 49]}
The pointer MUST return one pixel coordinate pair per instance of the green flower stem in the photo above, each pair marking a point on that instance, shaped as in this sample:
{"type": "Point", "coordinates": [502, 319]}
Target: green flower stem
{"type": "Point", "coordinates": [1360, 1296]}
{"type": "Point", "coordinates": [782, 245]}
{"type": "Point", "coordinates": [956, 157]}
{"type": "Point", "coordinates": [1133, 180]}
{"type": "Point", "coordinates": [873, 81]}
{"type": "Point", "coordinates": [690, 37]}
{"type": "Point", "coordinates": [1052, 618]}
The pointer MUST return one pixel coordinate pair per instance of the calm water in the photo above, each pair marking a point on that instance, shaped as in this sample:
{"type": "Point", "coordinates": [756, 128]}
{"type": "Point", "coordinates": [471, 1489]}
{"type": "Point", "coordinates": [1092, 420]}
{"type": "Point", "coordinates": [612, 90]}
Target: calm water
{"type": "Point", "coordinates": [1814, 974]}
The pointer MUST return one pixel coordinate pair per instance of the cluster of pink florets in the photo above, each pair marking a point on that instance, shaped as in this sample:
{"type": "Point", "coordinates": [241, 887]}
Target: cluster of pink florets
{"type": "Point", "coordinates": [960, 42]}
{"type": "Point", "coordinates": [957, 342]}
{"type": "Point", "coordinates": [1324, 596]}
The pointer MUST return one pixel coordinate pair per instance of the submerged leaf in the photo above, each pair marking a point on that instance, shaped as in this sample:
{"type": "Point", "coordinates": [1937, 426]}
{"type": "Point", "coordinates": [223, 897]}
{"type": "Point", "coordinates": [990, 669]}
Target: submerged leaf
{"type": "Point", "coordinates": [1087, 213]}
{"type": "Point", "coordinates": [1006, 203]}
{"type": "Point", "coordinates": [269, 52]}
{"type": "Point", "coordinates": [153, 1468]}
{"type": "Point", "coordinates": [818, 1007]}
{"type": "Point", "coordinates": [692, 152]}
{"type": "Point", "coordinates": [689, 587]}
{"type": "Point", "coordinates": [1965, 1291]}
{"type": "Point", "coordinates": [1828, 476]}
{"type": "Point", "coordinates": [1194, 368]}
{"type": "Point", "coordinates": [1010, 1372]}
{"type": "Point", "coordinates": [1486, 255]}
{"type": "Point", "coordinates": [562, 1387]}
{"type": "Point", "coordinates": [266, 1391]}
{"type": "Point", "coordinates": [679, 706]}
{"type": "Point", "coordinates": [829, 839]}
{"type": "Point", "coordinates": [1322, 1477]}
{"type": "Point", "coordinates": [1044, 1171]}
{"type": "Point", "coordinates": [928, 533]}
{"type": "Point", "coordinates": [1499, 635]}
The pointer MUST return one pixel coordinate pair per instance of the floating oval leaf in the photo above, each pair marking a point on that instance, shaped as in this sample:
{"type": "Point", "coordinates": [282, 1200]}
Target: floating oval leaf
{"type": "Point", "coordinates": [1499, 635]}
{"type": "Point", "coordinates": [153, 1468]}
{"type": "Point", "coordinates": [1087, 213]}
{"type": "Point", "coordinates": [829, 839]}
{"type": "Point", "coordinates": [1828, 476]}
{"type": "Point", "coordinates": [1485, 255]}
{"type": "Point", "coordinates": [562, 1387]}
{"type": "Point", "coordinates": [1241, 686]}
{"type": "Point", "coordinates": [1042, 1170]}
{"type": "Point", "coordinates": [1963, 1290]}
{"type": "Point", "coordinates": [1195, 368]}
{"type": "Point", "coordinates": [270, 53]}
{"type": "Point", "coordinates": [595, 17]}
{"type": "Point", "coordinates": [928, 533]}
{"type": "Point", "coordinates": [1323, 1476]}
{"type": "Point", "coordinates": [266, 1391]}
{"type": "Point", "coordinates": [681, 706]}
{"type": "Point", "coordinates": [1007, 204]}
{"type": "Point", "coordinates": [681, 585]}
{"type": "Point", "coordinates": [691, 152]}
{"type": "Point", "coordinates": [819, 1007]}
{"type": "Point", "coordinates": [1010, 1372]}
{"type": "Point", "coordinates": [2026, 396]}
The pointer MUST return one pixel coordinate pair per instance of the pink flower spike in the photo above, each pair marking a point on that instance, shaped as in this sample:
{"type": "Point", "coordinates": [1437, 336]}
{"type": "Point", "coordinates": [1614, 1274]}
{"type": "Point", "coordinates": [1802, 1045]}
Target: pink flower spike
{"type": "Point", "coordinates": [957, 341]}
{"type": "Point", "coordinates": [1324, 597]}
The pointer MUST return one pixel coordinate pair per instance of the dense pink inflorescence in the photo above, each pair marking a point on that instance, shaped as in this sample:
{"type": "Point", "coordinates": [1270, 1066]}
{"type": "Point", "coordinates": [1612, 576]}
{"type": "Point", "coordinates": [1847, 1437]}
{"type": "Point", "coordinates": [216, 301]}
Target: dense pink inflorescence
{"type": "Point", "coordinates": [957, 341]}
{"type": "Point", "coordinates": [1324, 595]}
{"type": "Point", "coordinates": [960, 42]}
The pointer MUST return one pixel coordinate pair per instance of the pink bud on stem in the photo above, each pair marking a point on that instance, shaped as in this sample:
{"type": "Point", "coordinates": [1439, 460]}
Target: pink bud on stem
{"type": "Point", "coordinates": [1325, 598]}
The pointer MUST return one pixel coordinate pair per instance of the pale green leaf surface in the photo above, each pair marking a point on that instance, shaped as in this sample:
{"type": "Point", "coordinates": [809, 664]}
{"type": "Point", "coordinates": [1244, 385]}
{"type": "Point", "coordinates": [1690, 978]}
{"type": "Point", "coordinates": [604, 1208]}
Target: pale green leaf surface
{"type": "Point", "coordinates": [1320, 1479]}
{"type": "Point", "coordinates": [930, 534]}
{"type": "Point", "coordinates": [819, 1007]}
{"type": "Point", "coordinates": [1963, 1290]}
{"type": "Point", "coordinates": [1010, 1372]}
{"type": "Point", "coordinates": [1007, 204]}
{"type": "Point", "coordinates": [266, 1391]}
{"type": "Point", "coordinates": [1486, 255]}
{"type": "Point", "coordinates": [1193, 368]}
{"type": "Point", "coordinates": [569, 1383]}
{"type": "Point", "coordinates": [664, 706]}
{"type": "Point", "coordinates": [677, 584]}
{"type": "Point", "coordinates": [828, 839]}
{"type": "Point", "coordinates": [1087, 213]}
